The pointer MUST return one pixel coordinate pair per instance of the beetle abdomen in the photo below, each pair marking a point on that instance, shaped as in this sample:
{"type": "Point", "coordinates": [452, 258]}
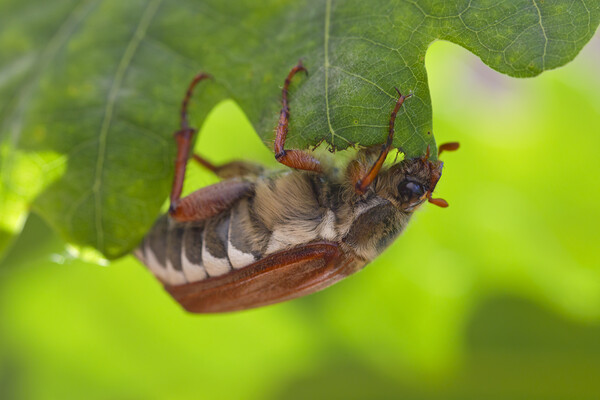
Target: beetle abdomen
{"type": "Point", "coordinates": [283, 213]}
{"type": "Point", "coordinates": [173, 251]}
{"type": "Point", "coordinates": [183, 252]}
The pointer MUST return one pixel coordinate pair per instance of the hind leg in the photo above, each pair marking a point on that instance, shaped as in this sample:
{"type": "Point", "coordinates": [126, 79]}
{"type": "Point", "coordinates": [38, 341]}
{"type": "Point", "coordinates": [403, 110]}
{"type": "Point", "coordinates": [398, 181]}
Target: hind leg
{"type": "Point", "coordinates": [183, 137]}
{"type": "Point", "coordinates": [207, 201]}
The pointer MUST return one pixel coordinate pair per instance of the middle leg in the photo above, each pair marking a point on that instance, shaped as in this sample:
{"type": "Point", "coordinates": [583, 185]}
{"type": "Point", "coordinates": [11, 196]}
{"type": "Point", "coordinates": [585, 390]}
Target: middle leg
{"type": "Point", "coordinates": [297, 159]}
{"type": "Point", "coordinates": [232, 169]}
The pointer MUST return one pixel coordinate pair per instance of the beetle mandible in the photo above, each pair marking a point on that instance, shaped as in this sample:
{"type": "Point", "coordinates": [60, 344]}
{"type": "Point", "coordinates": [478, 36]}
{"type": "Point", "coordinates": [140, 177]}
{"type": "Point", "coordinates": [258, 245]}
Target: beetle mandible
{"type": "Point", "coordinates": [260, 237]}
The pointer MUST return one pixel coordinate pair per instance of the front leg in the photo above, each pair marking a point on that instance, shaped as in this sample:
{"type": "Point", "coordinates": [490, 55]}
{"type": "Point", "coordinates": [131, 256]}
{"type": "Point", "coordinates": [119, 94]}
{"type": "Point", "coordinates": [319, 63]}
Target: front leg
{"type": "Point", "coordinates": [361, 185]}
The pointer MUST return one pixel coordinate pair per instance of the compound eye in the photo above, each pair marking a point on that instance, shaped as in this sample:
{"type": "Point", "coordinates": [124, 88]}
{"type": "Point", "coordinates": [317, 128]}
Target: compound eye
{"type": "Point", "coordinates": [411, 189]}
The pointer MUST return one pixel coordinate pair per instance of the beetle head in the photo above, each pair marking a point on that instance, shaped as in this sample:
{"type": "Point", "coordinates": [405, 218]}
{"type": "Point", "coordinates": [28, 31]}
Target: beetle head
{"type": "Point", "coordinates": [411, 182]}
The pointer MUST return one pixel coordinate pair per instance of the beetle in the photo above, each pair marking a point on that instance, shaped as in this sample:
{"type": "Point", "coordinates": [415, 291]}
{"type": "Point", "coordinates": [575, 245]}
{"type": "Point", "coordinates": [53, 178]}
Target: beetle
{"type": "Point", "coordinates": [260, 237]}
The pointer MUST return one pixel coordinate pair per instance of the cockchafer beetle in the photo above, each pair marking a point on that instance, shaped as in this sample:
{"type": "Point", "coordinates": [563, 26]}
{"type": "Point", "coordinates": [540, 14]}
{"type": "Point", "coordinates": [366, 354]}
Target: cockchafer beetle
{"type": "Point", "coordinates": [260, 237]}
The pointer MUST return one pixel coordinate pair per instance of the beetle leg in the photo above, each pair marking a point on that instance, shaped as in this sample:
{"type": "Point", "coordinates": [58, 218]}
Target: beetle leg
{"type": "Point", "coordinates": [209, 201]}
{"type": "Point", "coordinates": [451, 146]}
{"type": "Point", "coordinates": [297, 159]}
{"type": "Point", "coordinates": [363, 183]}
{"type": "Point", "coordinates": [231, 169]}
{"type": "Point", "coordinates": [183, 137]}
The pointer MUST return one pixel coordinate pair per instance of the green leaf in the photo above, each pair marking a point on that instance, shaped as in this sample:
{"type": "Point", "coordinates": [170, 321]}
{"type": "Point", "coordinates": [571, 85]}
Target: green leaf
{"type": "Point", "coordinates": [90, 90]}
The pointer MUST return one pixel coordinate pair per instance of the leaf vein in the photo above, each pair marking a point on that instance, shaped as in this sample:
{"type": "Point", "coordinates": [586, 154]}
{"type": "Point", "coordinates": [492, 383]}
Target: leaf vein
{"type": "Point", "coordinates": [24, 94]}
{"type": "Point", "coordinates": [326, 67]}
{"type": "Point", "coordinates": [365, 80]}
{"type": "Point", "coordinates": [113, 93]}
{"type": "Point", "coordinates": [544, 33]}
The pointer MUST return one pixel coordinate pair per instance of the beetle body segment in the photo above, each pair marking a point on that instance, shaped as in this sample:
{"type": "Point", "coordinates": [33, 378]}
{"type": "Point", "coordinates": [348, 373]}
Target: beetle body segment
{"type": "Point", "coordinates": [232, 253]}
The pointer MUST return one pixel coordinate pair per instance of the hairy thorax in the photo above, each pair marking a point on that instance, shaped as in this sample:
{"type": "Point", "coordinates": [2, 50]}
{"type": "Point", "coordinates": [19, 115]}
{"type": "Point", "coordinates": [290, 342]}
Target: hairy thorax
{"type": "Point", "coordinates": [299, 207]}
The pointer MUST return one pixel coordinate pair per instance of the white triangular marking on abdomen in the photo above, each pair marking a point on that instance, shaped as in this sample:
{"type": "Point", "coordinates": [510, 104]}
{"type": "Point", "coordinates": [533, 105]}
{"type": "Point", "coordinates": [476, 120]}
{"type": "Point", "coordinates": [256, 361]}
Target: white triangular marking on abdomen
{"type": "Point", "coordinates": [193, 272]}
{"type": "Point", "coordinates": [238, 258]}
{"type": "Point", "coordinates": [154, 265]}
{"type": "Point", "coordinates": [175, 277]}
{"type": "Point", "coordinates": [214, 266]}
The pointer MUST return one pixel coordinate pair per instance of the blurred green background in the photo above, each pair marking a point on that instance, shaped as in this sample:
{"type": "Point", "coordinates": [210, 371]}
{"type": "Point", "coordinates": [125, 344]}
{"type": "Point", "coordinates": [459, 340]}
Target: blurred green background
{"type": "Point", "coordinates": [496, 297]}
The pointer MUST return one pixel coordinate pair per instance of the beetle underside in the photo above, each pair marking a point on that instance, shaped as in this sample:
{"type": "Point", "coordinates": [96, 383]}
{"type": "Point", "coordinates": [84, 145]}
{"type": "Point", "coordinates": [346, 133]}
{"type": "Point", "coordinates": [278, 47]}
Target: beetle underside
{"type": "Point", "coordinates": [258, 238]}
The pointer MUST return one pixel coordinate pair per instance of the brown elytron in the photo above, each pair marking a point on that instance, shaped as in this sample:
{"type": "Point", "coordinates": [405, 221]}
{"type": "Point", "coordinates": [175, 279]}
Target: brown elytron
{"type": "Point", "coordinates": [260, 237]}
